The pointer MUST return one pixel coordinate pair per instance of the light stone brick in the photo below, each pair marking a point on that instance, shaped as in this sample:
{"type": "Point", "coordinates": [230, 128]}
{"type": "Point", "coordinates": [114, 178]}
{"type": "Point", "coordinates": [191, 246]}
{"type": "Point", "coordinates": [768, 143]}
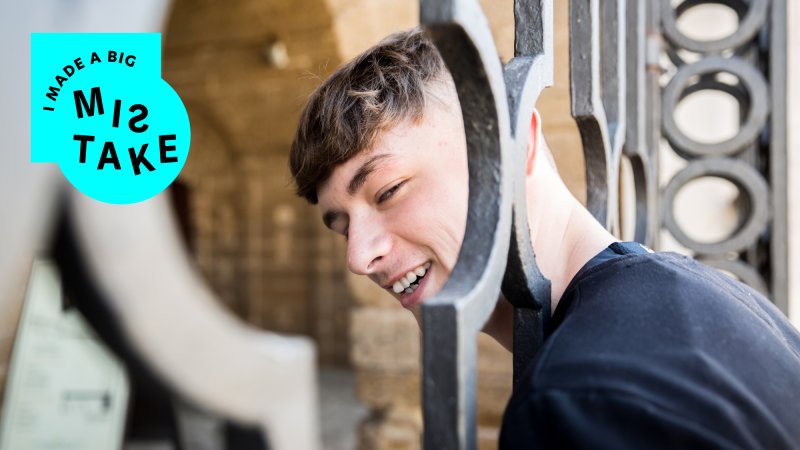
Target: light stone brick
{"type": "Point", "coordinates": [397, 428]}
{"type": "Point", "coordinates": [381, 390]}
{"type": "Point", "coordinates": [384, 339]}
{"type": "Point", "coordinates": [488, 437]}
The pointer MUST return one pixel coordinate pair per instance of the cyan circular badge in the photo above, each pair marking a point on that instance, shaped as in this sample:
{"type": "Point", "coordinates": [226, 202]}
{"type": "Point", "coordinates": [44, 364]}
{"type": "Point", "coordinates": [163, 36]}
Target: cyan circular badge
{"type": "Point", "coordinates": [100, 110]}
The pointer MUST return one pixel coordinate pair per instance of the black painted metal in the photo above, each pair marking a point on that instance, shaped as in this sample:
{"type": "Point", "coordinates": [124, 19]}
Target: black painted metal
{"type": "Point", "coordinates": [777, 139]}
{"type": "Point", "coordinates": [495, 103]}
{"type": "Point", "coordinates": [597, 83]}
{"type": "Point", "coordinates": [642, 111]}
{"type": "Point", "coordinates": [615, 80]}
{"type": "Point", "coordinates": [452, 319]}
{"type": "Point", "coordinates": [752, 17]}
{"type": "Point", "coordinates": [753, 58]}
{"type": "Point", "coordinates": [755, 208]}
{"type": "Point", "coordinates": [757, 98]}
{"type": "Point", "coordinates": [526, 75]}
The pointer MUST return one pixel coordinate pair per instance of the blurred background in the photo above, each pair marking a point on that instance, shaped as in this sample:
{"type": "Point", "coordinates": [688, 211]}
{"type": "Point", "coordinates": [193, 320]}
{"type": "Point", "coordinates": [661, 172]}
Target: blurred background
{"type": "Point", "coordinates": [244, 69]}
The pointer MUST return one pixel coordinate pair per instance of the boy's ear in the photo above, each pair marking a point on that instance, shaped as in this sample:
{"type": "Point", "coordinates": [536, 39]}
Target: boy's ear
{"type": "Point", "coordinates": [533, 141]}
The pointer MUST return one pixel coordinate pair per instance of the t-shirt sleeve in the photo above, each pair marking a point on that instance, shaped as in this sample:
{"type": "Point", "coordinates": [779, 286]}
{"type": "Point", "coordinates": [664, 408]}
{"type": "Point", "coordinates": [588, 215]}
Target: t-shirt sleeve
{"type": "Point", "coordinates": [558, 418]}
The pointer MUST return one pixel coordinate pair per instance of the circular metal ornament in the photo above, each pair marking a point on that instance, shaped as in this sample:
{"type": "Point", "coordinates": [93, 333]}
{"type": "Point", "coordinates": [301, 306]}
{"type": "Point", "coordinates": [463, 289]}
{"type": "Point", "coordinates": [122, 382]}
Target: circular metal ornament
{"type": "Point", "coordinates": [685, 81]}
{"type": "Point", "coordinates": [639, 171]}
{"type": "Point", "coordinates": [679, 61]}
{"type": "Point", "coordinates": [746, 179]}
{"type": "Point", "coordinates": [752, 17]}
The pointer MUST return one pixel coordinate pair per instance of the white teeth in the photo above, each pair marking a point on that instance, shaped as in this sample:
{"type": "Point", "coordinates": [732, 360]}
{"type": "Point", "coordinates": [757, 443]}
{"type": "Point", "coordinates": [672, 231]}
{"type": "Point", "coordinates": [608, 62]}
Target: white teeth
{"type": "Point", "coordinates": [404, 284]}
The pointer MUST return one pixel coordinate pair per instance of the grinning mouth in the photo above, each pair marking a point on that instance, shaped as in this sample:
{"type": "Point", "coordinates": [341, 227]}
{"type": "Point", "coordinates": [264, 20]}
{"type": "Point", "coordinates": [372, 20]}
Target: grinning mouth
{"type": "Point", "coordinates": [410, 281]}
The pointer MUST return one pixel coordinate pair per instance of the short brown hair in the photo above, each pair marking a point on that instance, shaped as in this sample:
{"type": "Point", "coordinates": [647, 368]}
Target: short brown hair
{"type": "Point", "coordinates": [377, 90]}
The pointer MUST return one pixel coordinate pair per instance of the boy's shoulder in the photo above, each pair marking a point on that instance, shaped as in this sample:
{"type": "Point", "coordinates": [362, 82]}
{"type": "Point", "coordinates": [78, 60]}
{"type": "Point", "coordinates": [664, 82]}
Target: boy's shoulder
{"type": "Point", "coordinates": [668, 344]}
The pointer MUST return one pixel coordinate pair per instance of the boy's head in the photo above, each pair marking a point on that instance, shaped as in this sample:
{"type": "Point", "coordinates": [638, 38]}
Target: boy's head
{"type": "Point", "coordinates": [381, 148]}
{"type": "Point", "coordinates": [376, 91]}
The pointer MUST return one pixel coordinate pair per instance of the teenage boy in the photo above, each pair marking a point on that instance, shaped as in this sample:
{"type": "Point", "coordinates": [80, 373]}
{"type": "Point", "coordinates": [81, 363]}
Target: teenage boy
{"type": "Point", "coordinates": [644, 350]}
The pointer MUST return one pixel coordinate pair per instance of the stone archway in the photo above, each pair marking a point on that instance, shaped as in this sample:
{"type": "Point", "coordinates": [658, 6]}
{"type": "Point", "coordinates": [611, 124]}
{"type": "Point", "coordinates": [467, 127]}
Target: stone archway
{"type": "Point", "coordinates": [244, 69]}
{"type": "Point", "coordinates": [212, 209]}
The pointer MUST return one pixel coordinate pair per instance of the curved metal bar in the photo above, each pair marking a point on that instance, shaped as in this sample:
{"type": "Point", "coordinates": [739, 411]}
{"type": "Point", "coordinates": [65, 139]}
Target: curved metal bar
{"type": "Point", "coordinates": [642, 185]}
{"type": "Point", "coordinates": [746, 179]}
{"type": "Point", "coordinates": [526, 76]}
{"type": "Point", "coordinates": [602, 137]}
{"type": "Point", "coordinates": [749, 26]}
{"type": "Point", "coordinates": [462, 35]}
{"type": "Point", "coordinates": [524, 285]}
{"type": "Point", "coordinates": [777, 155]}
{"type": "Point", "coordinates": [652, 113]}
{"type": "Point", "coordinates": [635, 71]}
{"type": "Point", "coordinates": [533, 29]}
{"type": "Point", "coordinates": [678, 61]}
{"type": "Point", "coordinates": [638, 110]}
{"type": "Point", "coordinates": [134, 255]}
{"type": "Point", "coordinates": [613, 72]}
{"type": "Point", "coordinates": [757, 92]}
{"type": "Point", "coordinates": [708, 82]}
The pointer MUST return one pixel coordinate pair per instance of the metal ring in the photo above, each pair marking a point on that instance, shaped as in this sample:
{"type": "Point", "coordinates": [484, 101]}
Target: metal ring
{"type": "Point", "coordinates": [640, 170]}
{"type": "Point", "coordinates": [745, 178]}
{"type": "Point", "coordinates": [749, 25]}
{"type": "Point", "coordinates": [757, 93]}
{"type": "Point", "coordinates": [744, 272]}
{"type": "Point", "coordinates": [676, 59]}
{"type": "Point", "coordinates": [738, 92]}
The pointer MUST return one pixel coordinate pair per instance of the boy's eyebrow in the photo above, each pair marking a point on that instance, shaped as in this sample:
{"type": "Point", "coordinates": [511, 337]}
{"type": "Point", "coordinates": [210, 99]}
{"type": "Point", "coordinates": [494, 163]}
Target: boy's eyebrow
{"type": "Point", "coordinates": [356, 182]}
{"type": "Point", "coordinates": [363, 172]}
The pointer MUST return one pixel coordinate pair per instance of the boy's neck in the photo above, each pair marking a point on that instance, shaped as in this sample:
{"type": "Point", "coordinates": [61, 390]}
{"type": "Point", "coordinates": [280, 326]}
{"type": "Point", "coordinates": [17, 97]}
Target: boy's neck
{"type": "Point", "coordinates": [564, 234]}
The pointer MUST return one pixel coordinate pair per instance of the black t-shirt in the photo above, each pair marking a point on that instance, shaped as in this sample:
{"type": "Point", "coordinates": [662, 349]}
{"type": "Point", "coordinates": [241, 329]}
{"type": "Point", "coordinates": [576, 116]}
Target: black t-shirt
{"type": "Point", "coordinates": [654, 350]}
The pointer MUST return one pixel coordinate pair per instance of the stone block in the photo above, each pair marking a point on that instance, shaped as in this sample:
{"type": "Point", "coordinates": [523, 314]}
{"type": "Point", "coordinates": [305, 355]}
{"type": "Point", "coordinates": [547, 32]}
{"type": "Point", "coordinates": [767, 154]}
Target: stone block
{"type": "Point", "coordinates": [492, 394]}
{"type": "Point", "coordinates": [381, 390]}
{"type": "Point", "coordinates": [492, 357]}
{"type": "Point", "coordinates": [393, 429]}
{"type": "Point", "coordinates": [488, 437]}
{"type": "Point", "coordinates": [384, 339]}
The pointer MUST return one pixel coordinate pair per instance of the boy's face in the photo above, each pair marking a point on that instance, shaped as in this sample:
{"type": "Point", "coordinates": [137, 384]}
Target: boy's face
{"type": "Point", "coordinates": [402, 205]}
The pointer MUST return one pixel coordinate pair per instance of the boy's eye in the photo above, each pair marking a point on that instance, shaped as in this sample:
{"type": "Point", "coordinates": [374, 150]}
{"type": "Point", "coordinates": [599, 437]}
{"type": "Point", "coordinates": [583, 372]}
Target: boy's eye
{"type": "Point", "coordinates": [389, 192]}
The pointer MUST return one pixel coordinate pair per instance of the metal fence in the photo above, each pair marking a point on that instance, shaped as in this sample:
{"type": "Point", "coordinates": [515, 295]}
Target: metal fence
{"type": "Point", "coordinates": [630, 65]}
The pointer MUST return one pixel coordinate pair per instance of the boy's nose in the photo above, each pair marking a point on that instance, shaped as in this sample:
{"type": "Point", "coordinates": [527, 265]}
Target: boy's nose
{"type": "Point", "coordinates": [367, 246]}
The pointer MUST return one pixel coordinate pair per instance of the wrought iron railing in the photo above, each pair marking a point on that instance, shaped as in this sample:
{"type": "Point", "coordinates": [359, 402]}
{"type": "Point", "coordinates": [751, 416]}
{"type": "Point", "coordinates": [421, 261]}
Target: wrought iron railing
{"type": "Point", "coordinates": [616, 76]}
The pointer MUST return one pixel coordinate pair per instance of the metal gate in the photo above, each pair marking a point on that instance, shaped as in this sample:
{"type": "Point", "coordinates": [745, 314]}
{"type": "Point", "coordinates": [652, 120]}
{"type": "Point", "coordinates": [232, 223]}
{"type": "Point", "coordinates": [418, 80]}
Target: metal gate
{"type": "Point", "coordinates": [630, 65]}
